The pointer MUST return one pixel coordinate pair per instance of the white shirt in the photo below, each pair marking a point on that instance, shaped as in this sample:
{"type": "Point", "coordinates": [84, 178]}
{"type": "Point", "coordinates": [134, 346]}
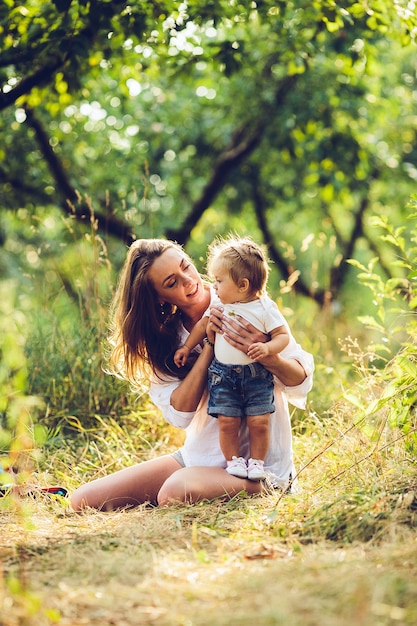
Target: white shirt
{"type": "Point", "coordinates": [263, 313]}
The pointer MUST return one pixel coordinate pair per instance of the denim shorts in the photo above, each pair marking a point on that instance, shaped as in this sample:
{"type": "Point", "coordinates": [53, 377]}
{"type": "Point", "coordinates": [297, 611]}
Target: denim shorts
{"type": "Point", "coordinates": [239, 390]}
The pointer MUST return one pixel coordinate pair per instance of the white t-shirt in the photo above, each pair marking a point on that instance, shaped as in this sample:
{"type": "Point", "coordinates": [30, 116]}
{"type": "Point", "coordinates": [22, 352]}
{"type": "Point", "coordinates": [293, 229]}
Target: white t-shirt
{"type": "Point", "coordinates": [263, 313]}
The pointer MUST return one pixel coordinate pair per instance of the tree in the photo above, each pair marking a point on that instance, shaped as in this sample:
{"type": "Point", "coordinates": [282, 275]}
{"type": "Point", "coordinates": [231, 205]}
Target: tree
{"type": "Point", "coordinates": [171, 116]}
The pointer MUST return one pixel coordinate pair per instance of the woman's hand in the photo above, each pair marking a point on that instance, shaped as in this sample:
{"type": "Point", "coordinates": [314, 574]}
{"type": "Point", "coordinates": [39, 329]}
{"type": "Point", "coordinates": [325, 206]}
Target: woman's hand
{"type": "Point", "coordinates": [216, 318]}
{"type": "Point", "coordinates": [241, 334]}
{"type": "Point", "coordinates": [215, 323]}
{"type": "Point", "coordinates": [236, 330]}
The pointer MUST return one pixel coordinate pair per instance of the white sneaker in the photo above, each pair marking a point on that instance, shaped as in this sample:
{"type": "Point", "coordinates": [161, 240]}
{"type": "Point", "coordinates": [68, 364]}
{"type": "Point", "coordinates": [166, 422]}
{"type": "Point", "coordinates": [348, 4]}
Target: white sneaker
{"type": "Point", "coordinates": [256, 469]}
{"type": "Point", "coordinates": [237, 467]}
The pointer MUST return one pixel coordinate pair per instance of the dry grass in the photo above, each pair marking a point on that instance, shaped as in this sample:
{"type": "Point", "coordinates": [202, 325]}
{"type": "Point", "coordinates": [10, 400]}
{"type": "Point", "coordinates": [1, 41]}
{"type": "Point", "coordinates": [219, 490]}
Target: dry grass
{"type": "Point", "coordinates": [175, 567]}
{"type": "Point", "coordinates": [341, 551]}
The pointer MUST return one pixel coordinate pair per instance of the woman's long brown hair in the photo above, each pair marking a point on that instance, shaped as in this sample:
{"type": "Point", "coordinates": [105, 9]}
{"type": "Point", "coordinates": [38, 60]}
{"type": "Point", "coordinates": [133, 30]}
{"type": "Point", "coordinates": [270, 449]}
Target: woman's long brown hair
{"type": "Point", "coordinates": [144, 333]}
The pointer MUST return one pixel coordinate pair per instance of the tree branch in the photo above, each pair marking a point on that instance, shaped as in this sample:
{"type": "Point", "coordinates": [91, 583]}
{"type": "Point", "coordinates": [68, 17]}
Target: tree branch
{"type": "Point", "coordinates": [339, 272]}
{"type": "Point", "coordinates": [19, 186]}
{"type": "Point", "coordinates": [320, 296]}
{"type": "Point", "coordinates": [243, 143]}
{"type": "Point", "coordinates": [107, 224]}
{"type": "Point", "coordinates": [27, 84]}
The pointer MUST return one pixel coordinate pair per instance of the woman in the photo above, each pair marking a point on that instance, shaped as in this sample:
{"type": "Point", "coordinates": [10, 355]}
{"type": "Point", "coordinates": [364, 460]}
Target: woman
{"type": "Point", "coordinates": [160, 297]}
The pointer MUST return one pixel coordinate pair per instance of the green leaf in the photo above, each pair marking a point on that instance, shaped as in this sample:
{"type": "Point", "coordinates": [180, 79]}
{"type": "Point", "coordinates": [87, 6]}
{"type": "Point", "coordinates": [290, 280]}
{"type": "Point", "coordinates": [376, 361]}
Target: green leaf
{"type": "Point", "coordinates": [354, 399]}
{"type": "Point", "coordinates": [371, 322]}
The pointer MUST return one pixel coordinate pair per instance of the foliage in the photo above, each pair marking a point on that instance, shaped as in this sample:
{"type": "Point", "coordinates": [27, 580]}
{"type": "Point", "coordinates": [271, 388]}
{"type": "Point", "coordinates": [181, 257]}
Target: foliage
{"type": "Point", "coordinates": [390, 369]}
{"type": "Point", "coordinates": [20, 434]}
{"type": "Point", "coordinates": [290, 120]}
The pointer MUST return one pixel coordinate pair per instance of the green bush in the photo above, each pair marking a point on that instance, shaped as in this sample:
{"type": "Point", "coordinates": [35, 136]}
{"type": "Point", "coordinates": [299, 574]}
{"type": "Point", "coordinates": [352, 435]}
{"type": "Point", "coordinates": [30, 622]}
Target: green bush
{"type": "Point", "coordinates": [19, 434]}
{"type": "Point", "coordinates": [388, 364]}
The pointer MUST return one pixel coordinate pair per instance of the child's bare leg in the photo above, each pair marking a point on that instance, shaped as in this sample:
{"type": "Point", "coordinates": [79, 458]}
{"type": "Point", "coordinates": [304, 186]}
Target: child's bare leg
{"type": "Point", "coordinates": [229, 443]}
{"type": "Point", "coordinates": [258, 426]}
{"type": "Point", "coordinates": [229, 435]}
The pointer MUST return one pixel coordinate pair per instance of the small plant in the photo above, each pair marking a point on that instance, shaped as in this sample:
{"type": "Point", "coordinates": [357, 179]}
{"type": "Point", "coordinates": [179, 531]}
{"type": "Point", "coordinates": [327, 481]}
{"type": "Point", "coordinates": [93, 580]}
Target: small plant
{"type": "Point", "coordinates": [391, 364]}
{"type": "Point", "coordinates": [19, 436]}
{"type": "Point", "coordinates": [364, 471]}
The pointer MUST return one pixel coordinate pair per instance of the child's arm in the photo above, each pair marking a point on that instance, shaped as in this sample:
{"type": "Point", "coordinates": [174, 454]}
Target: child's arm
{"type": "Point", "coordinates": [195, 337]}
{"type": "Point", "coordinates": [279, 340]}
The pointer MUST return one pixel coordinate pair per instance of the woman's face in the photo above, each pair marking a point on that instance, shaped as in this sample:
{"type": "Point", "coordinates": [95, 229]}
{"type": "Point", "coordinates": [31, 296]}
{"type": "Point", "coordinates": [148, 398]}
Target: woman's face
{"type": "Point", "coordinates": [176, 280]}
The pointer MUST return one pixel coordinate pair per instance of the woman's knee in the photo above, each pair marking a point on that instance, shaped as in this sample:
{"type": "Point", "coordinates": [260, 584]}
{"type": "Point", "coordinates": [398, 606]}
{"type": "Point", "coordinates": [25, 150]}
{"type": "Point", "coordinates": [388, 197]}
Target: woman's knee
{"type": "Point", "coordinates": [78, 500]}
{"type": "Point", "coordinates": [174, 490]}
{"type": "Point", "coordinates": [193, 484]}
{"type": "Point", "coordinates": [89, 497]}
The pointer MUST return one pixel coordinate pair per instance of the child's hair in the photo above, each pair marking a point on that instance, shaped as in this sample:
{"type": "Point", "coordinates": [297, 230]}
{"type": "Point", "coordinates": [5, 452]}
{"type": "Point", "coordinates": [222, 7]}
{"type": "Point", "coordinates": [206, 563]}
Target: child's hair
{"type": "Point", "coordinates": [241, 258]}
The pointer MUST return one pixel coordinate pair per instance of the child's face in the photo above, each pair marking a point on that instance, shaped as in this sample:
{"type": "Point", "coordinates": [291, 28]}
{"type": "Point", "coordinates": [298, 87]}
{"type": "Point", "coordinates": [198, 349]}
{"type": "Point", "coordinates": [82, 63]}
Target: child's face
{"type": "Point", "coordinates": [225, 287]}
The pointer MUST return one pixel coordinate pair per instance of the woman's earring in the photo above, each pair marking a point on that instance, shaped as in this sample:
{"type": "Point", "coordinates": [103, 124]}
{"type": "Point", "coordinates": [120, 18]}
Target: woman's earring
{"type": "Point", "coordinates": [167, 310]}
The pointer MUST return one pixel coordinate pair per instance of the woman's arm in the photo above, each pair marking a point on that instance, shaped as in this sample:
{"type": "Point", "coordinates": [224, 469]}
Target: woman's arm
{"type": "Point", "coordinates": [241, 334]}
{"type": "Point", "coordinates": [289, 371]}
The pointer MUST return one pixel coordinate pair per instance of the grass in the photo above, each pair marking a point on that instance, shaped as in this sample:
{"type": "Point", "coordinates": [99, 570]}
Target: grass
{"type": "Point", "coordinates": [150, 567]}
{"type": "Point", "coordinates": [342, 550]}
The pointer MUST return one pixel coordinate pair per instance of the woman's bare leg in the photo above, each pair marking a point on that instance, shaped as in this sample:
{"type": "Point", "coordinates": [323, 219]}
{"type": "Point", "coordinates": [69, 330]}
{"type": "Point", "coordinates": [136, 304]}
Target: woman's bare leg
{"type": "Point", "coordinates": [192, 484]}
{"type": "Point", "coordinates": [128, 487]}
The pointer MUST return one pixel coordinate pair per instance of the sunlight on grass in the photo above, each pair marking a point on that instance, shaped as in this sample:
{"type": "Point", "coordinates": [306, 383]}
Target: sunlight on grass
{"type": "Point", "coordinates": [214, 563]}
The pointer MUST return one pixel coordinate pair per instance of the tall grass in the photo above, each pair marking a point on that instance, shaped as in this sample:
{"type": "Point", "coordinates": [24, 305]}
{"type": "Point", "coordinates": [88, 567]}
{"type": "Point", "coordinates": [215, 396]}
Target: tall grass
{"type": "Point", "coordinates": [368, 463]}
{"type": "Point", "coordinates": [67, 346]}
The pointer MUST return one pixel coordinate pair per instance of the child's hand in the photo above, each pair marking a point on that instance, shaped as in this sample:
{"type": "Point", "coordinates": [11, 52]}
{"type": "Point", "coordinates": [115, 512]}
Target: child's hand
{"type": "Point", "coordinates": [257, 351]}
{"type": "Point", "coordinates": [181, 356]}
